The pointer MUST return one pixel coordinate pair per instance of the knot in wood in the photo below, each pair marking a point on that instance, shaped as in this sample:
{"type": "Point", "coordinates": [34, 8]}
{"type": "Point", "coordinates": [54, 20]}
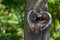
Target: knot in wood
{"type": "Point", "coordinates": [39, 21]}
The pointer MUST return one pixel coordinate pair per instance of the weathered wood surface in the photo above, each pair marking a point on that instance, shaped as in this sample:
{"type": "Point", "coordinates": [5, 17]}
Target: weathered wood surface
{"type": "Point", "coordinates": [28, 35]}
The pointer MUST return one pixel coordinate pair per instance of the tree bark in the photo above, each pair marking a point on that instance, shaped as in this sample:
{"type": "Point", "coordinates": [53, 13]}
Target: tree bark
{"type": "Point", "coordinates": [28, 35]}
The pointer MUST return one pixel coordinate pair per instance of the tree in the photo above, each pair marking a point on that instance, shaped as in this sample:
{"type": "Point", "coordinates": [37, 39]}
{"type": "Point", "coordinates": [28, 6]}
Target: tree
{"type": "Point", "coordinates": [29, 35]}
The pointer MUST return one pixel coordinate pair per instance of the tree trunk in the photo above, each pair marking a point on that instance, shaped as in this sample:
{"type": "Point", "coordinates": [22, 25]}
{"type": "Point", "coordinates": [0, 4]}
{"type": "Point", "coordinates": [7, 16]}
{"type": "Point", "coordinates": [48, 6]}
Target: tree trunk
{"type": "Point", "coordinates": [28, 35]}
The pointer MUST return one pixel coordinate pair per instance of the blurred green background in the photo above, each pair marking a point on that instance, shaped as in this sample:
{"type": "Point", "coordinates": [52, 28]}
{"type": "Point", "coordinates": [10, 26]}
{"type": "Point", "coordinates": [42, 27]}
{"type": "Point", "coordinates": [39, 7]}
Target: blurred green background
{"type": "Point", "coordinates": [12, 19]}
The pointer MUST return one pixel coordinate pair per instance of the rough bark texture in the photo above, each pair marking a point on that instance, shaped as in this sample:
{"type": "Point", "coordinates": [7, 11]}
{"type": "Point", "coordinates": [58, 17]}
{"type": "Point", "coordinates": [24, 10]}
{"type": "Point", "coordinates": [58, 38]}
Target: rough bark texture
{"type": "Point", "coordinates": [28, 35]}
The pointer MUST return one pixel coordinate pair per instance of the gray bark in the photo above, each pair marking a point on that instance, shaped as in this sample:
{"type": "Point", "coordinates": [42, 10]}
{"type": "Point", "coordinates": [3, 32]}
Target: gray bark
{"type": "Point", "coordinates": [28, 35]}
